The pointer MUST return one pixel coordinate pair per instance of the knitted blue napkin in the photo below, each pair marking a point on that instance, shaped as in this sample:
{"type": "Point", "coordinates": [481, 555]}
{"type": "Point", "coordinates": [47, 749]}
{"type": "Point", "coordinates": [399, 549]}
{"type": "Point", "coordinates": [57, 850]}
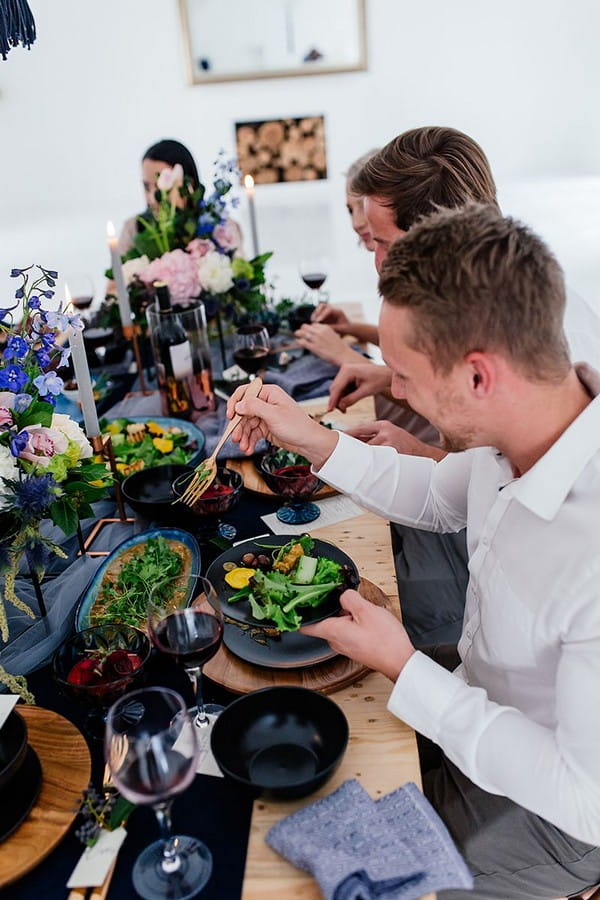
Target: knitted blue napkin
{"type": "Point", "coordinates": [358, 849]}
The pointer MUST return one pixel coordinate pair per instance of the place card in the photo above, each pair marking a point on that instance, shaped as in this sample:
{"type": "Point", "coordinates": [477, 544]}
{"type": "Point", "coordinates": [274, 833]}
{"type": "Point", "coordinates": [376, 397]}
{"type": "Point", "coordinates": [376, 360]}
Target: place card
{"type": "Point", "coordinates": [333, 510]}
{"type": "Point", "coordinates": [206, 762]}
{"type": "Point", "coordinates": [7, 704]}
{"type": "Point", "coordinates": [95, 862]}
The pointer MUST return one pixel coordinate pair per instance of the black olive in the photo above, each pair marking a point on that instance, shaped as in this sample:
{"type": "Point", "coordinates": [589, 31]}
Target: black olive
{"type": "Point", "coordinates": [263, 562]}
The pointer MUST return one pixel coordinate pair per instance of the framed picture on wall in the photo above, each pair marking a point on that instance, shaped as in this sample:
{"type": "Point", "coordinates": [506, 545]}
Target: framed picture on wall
{"type": "Point", "coordinates": [274, 150]}
{"type": "Point", "coordinates": [272, 38]}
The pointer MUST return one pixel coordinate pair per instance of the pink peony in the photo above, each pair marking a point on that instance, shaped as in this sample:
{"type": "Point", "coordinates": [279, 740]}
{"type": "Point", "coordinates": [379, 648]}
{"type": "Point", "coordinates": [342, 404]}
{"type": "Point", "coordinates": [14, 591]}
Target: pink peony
{"type": "Point", "coordinates": [43, 444]}
{"type": "Point", "coordinates": [6, 418]}
{"type": "Point", "coordinates": [178, 270]}
{"type": "Point", "coordinates": [170, 178]}
{"type": "Point", "coordinates": [199, 248]}
{"type": "Point", "coordinates": [227, 236]}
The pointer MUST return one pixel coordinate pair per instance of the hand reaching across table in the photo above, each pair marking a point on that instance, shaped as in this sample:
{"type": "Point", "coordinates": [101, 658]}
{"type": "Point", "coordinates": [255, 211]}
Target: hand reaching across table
{"type": "Point", "coordinates": [384, 433]}
{"type": "Point", "coordinates": [339, 321]}
{"type": "Point", "coordinates": [279, 419]}
{"type": "Point", "coordinates": [355, 381]}
{"type": "Point", "coordinates": [368, 634]}
{"type": "Point", "coordinates": [325, 343]}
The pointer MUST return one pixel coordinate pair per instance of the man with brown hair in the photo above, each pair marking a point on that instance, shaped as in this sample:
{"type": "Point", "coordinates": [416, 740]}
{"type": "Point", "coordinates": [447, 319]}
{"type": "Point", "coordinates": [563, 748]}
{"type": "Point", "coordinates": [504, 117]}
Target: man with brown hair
{"type": "Point", "coordinates": [471, 328]}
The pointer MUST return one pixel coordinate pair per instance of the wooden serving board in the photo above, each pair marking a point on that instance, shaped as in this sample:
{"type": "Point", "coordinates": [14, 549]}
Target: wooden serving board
{"type": "Point", "coordinates": [241, 677]}
{"type": "Point", "coordinates": [66, 767]}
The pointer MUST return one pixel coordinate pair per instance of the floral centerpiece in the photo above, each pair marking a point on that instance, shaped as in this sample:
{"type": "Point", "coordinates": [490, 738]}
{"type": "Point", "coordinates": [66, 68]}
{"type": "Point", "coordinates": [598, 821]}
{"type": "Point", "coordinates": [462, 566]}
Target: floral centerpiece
{"type": "Point", "coordinates": [46, 464]}
{"type": "Point", "coordinates": [189, 241]}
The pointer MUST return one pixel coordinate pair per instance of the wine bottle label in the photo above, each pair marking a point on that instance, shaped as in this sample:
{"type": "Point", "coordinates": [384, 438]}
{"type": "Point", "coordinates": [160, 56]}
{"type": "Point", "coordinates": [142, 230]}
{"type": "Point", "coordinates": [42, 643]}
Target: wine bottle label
{"type": "Point", "coordinates": [181, 360]}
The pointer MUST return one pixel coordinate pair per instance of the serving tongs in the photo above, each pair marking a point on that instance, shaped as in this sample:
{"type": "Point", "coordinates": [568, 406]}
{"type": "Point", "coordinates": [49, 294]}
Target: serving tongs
{"type": "Point", "coordinates": [206, 472]}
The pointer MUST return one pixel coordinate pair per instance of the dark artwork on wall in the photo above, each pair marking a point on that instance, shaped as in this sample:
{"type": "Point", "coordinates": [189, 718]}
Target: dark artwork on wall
{"type": "Point", "coordinates": [282, 149]}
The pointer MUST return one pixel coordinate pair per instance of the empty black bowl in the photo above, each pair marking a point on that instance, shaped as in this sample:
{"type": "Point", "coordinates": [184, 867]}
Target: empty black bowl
{"type": "Point", "coordinates": [13, 747]}
{"type": "Point", "coordinates": [284, 740]}
{"type": "Point", "coordinates": [150, 493]}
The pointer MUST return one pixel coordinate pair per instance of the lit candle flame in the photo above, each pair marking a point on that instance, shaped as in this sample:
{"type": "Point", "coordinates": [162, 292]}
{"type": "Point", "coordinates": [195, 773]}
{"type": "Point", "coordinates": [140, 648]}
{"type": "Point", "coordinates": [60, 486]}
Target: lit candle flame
{"type": "Point", "coordinates": [110, 230]}
{"type": "Point", "coordinates": [249, 183]}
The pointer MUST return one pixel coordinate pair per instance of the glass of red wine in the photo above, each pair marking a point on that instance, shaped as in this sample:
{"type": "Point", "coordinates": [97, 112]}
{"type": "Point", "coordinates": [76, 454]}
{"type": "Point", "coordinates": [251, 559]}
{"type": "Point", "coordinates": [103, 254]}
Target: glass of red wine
{"type": "Point", "coordinates": [313, 272]}
{"type": "Point", "coordinates": [251, 346]}
{"type": "Point", "coordinates": [81, 288]}
{"type": "Point", "coordinates": [190, 631]}
{"type": "Point", "coordinates": [293, 480]}
{"type": "Point", "coordinates": [152, 751]}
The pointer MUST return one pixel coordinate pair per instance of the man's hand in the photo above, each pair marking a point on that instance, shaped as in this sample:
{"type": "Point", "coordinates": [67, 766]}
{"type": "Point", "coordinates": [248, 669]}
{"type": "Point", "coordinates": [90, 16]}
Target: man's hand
{"type": "Point", "coordinates": [368, 634]}
{"type": "Point", "coordinates": [383, 433]}
{"type": "Point", "coordinates": [355, 381]}
{"type": "Point", "coordinates": [331, 315]}
{"type": "Point", "coordinates": [324, 342]}
{"type": "Point", "coordinates": [278, 418]}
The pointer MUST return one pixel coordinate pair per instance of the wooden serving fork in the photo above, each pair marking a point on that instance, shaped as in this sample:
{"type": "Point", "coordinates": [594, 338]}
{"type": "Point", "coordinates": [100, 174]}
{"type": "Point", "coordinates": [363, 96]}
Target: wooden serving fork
{"type": "Point", "coordinates": [207, 470]}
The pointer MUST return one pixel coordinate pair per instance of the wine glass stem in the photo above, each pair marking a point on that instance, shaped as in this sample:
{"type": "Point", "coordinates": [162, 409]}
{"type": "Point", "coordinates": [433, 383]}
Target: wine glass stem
{"type": "Point", "coordinates": [201, 720]}
{"type": "Point", "coordinates": [170, 861]}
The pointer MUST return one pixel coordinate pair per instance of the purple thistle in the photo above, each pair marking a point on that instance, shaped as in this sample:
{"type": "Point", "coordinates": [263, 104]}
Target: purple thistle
{"type": "Point", "coordinates": [34, 495]}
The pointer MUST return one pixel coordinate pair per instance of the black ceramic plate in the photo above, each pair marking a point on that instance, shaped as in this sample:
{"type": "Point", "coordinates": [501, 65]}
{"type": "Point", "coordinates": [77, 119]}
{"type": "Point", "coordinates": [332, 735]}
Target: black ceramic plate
{"type": "Point", "coordinates": [291, 650]}
{"type": "Point", "coordinates": [19, 796]}
{"type": "Point", "coordinates": [240, 611]}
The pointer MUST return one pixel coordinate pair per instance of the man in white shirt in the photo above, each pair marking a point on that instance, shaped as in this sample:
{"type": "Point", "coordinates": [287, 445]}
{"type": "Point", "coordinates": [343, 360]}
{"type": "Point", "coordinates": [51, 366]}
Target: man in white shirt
{"type": "Point", "coordinates": [471, 326]}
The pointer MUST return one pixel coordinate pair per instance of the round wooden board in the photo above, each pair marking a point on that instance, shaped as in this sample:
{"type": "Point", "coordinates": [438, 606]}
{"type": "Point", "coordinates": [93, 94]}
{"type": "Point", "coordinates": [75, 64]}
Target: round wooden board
{"type": "Point", "coordinates": [241, 677]}
{"type": "Point", "coordinates": [66, 767]}
{"type": "Point", "coordinates": [253, 481]}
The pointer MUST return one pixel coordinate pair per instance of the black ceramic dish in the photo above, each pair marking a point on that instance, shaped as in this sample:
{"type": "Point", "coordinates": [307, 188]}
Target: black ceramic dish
{"type": "Point", "coordinates": [289, 650]}
{"type": "Point", "coordinates": [300, 315]}
{"type": "Point", "coordinates": [18, 797]}
{"type": "Point", "coordinates": [13, 747]}
{"type": "Point", "coordinates": [150, 494]}
{"type": "Point", "coordinates": [284, 740]}
{"type": "Point", "coordinates": [240, 611]}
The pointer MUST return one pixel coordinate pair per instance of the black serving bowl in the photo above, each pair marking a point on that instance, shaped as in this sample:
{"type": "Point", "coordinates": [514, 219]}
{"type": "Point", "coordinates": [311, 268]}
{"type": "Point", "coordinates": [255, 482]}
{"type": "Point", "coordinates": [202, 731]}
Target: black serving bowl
{"type": "Point", "coordinates": [300, 315]}
{"type": "Point", "coordinates": [150, 493]}
{"type": "Point", "coordinates": [13, 747]}
{"type": "Point", "coordinates": [287, 741]}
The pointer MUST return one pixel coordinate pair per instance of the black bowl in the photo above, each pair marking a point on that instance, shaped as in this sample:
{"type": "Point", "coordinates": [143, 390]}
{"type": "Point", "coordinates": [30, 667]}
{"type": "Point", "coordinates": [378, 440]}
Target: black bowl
{"type": "Point", "coordinates": [300, 315]}
{"type": "Point", "coordinates": [150, 493]}
{"type": "Point", "coordinates": [287, 741]}
{"type": "Point", "coordinates": [13, 747]}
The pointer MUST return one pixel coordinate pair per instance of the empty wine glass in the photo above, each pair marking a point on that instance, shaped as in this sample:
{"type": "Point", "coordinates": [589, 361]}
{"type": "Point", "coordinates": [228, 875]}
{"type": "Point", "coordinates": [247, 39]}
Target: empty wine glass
{"type": "Point", "coordinates": [313, 272]}
{"type": "Point", "coordinates": [189, 628]}
{"type": "Point", "coordinates": [251, 346]}
{"type": "Point", "coordinates": [152, 752]}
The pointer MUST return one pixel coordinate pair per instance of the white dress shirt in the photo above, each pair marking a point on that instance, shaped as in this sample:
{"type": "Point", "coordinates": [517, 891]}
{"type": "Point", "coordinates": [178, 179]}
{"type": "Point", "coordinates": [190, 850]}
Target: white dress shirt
{"type": "Point", "coordinates": [521, 715]}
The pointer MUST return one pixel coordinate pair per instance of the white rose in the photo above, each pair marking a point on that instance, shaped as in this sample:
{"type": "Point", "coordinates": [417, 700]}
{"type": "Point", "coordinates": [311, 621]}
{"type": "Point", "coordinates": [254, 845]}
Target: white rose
{"type": "Point", "coordinates": [8, 469]}
{"type": "Point", "coordinates": [134, 267]}
{"type": "Point", "coordinates": [215, 273]}
{"type": "Point", "coordinates": [72, 432]}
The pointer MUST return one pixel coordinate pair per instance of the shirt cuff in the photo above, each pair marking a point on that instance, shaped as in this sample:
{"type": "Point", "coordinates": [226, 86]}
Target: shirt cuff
{"type": "Point", "coordinates": [423, 693]}
{"type": "Point", "coordinates": [347, 465]}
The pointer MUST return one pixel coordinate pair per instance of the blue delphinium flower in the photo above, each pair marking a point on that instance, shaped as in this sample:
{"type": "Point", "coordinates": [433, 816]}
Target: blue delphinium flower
{"type": "Point", "coordinates": [18, 443]}
{"type": "Point", "coordinates": [19, 293]}
{"type": "Point", "coordinates": [34, 303]}
{"type": "Point", "coordinates": [34, 494]}
{"type": "Point", "coordinates": [205, 225]}
{"type": "Point", "coordinates": [13, 378]}
{"type": "Point", "coordinates": [47, 341]}
{"type": "Point", "coordinates": [43, 358]}
{"type": "Point", "coordinates": [57, 320]}
{"type": "Point", "coordinates": [16, 348]}
{"type": "Point", "coordinates": [49, 383]}
{"type": "Point", "coordinates": [22, 402]}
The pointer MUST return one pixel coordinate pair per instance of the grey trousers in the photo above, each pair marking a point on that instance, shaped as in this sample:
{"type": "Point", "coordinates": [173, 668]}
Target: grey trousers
{"type": "Point", "coordinates": [432, 575]}
{"type": "Point", "coordinates": [512, 853]}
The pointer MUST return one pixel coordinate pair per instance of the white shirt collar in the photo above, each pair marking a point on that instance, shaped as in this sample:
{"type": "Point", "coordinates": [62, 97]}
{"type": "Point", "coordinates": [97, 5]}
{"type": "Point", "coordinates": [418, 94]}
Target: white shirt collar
{"type": "Point", "coordinates": [544, 488]}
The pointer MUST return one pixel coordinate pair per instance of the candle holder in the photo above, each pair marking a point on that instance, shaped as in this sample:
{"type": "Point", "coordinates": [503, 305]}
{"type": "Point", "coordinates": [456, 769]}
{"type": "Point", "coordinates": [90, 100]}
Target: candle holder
{"type": "Point", "coordinates": [103, 449]}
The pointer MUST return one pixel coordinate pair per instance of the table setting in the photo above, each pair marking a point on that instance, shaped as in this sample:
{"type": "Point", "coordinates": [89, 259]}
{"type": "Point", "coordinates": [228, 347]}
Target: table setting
{"type": "Point", "coordinates": [151, 605]}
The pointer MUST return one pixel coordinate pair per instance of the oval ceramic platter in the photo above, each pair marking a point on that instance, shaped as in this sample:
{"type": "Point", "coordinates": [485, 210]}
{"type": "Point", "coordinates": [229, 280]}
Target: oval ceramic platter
{"type": "Point", "coordinates": [83, 614]}
{"type": "Point", "coordinates": [195, 435]}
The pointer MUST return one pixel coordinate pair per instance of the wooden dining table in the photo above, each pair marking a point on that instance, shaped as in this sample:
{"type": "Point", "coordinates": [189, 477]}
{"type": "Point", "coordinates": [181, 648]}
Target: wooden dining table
{"type": "Point", "coordinates": [382, 750]}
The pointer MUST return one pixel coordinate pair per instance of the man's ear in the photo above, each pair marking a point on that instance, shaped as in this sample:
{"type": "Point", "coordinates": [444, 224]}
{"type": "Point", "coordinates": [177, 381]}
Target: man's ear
{"type": "Point", "coordinates": [481, 372]}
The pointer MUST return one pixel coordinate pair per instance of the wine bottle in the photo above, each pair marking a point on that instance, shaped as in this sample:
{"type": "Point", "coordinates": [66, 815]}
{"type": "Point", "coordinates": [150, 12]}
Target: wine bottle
{"type": "Point", "coordinates": [182, 368]}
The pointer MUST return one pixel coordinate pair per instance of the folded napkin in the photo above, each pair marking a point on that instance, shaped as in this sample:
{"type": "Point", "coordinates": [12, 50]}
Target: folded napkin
{"type": "Point", "coordinates": [358, 849]}
{"type": "Point", "coordinates": [305, 377]}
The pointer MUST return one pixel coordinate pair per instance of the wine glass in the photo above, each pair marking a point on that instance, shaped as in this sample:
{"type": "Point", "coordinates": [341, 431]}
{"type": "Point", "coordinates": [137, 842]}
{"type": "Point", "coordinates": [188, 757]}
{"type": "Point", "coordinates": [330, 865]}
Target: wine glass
{"type": "Point", "coordinates": [313, 272]}
{"type": "Point", "coordinates": [295, 483]}
{"type": "Point", "coordinates": [189, 628]}
{"type": "Point", "coordinates": [81, 288]}
{"type": "Point", "coordinates": [251, 346]}
{"type": "Point", "coordinates": [152, 752]}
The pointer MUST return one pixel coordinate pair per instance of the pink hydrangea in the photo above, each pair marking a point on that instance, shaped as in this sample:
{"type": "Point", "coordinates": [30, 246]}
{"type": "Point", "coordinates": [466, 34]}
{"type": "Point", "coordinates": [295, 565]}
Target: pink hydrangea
{"type": "Point", "coordinates": [227, 236]}
{"type": "Point", "coordinates": [199, 248]}
{"type": "Point", "coordinates": [178, 270]}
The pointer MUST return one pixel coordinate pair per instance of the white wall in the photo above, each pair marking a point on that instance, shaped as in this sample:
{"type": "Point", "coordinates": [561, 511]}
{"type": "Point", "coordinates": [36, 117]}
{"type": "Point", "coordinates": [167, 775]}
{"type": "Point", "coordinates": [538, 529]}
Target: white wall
{"type": "Point", "coordinates": [106, 79]}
